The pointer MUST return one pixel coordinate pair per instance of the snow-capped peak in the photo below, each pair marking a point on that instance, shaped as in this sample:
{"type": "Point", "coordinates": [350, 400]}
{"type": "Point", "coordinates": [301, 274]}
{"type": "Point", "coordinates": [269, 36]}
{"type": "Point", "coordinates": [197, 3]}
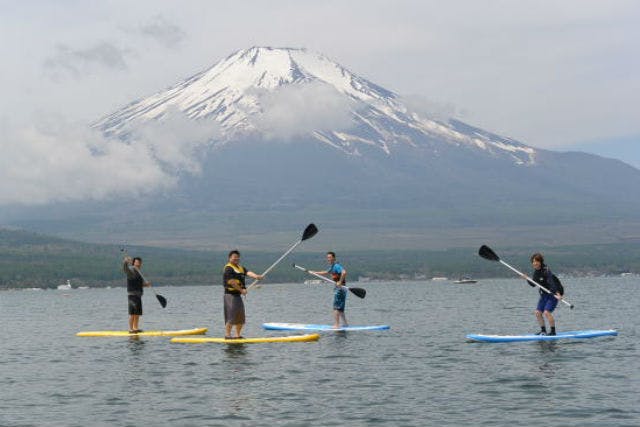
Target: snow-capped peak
{"type": "Point", "coordinates": [239, 93]}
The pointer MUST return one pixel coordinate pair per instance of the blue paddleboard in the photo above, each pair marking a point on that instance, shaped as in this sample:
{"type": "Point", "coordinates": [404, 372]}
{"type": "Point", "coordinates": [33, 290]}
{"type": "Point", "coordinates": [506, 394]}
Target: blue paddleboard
{"type": "Point", "coordinates": [312, 327]}
{"type": "Point", "coordinates": [590, 333]}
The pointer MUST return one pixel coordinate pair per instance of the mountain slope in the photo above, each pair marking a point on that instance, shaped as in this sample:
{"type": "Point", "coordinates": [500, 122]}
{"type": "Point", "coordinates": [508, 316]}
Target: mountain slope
{"type": "Point", "coordinates": [298, 137]}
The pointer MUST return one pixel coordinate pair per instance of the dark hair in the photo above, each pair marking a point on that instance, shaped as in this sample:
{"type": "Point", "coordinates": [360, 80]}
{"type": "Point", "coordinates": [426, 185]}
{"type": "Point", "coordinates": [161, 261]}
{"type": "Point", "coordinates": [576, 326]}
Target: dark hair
{"type": "Point", "coordinates": [233, 252]}
{"type": "Point", "coordinates": [136, 258]}
{"type": "Point", "coordinates": [537, 257]}
{"type": "Point", "coordinates": [333, 254]}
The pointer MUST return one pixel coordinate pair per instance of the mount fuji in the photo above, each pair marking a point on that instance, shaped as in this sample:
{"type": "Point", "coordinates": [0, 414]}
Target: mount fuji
{"type": "Point", "coordinates": [291, 134]}
{"type": "Point", "coordinates": [233, 93]}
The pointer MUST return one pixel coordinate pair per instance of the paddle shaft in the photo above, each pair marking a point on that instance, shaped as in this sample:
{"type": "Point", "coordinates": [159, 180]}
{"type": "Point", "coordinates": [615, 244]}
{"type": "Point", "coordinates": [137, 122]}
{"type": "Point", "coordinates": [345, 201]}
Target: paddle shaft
{"type": "Point", "coordinates": [255, 282]}
{"type": "Point", "coordinates": [530, 280]}
{"type": "Point", "coordinates": [319, 276]}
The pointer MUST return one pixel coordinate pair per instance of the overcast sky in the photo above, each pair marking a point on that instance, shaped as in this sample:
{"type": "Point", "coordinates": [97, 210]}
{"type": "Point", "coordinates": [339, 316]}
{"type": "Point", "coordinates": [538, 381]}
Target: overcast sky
{"type": "Point", "coordinates": [553, 74]}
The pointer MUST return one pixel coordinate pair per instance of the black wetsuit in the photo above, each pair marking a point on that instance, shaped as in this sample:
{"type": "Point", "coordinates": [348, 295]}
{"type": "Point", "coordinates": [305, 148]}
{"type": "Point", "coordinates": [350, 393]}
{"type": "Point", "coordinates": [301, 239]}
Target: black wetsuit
{"type": "Point", "coordinates": [544, 278]}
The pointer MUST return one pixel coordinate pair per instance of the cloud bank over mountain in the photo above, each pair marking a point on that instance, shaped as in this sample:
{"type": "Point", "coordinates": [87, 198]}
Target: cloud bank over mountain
{"type": "Point", "coordinates": [56, 161]}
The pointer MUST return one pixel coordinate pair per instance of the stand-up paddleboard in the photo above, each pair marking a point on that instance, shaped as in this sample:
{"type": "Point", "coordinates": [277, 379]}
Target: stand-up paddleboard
{"type": "Point", "coordinates": [205, 340]}
{"type": "Point", "coordinates": [591, 333]}
{"type": "Point", "coordinates": [313, 327]}
{"type": "Point", "coordinates": [197, 331]}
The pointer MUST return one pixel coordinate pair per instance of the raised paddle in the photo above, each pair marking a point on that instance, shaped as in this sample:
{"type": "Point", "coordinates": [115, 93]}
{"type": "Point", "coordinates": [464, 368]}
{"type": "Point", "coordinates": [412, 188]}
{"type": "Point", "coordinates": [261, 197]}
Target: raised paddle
{"type": "Point", "coordinates": [359, 292]}
{"type": "Point", "coordinates": [487, 253]}
{"type": "Point", "coordinates": [308, 233]}
{"type": "Point", "coordinates": [162, 300]}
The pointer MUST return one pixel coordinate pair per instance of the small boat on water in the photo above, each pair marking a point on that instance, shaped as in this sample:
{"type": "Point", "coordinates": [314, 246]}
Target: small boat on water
{"type": "Point", "coordinates": [465, 279]}
{"type": "Point", "coordinates": [439, 279]}
{"type": "Point", "coordinates": [65, 287]}
{"type": "Point", "coordinates": [312, 282]}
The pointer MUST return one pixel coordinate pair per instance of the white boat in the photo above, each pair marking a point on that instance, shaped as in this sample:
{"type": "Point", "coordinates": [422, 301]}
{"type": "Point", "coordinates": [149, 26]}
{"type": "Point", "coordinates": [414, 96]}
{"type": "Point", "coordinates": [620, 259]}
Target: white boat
{"type": "Point", "coordinates": [465, 280]}
{"type": "Point", "coordinates": [439, 279]}
{"type": "Point", "coordinates": [313, 282]}
{"type": "Point", "coordinates": [65, 287]}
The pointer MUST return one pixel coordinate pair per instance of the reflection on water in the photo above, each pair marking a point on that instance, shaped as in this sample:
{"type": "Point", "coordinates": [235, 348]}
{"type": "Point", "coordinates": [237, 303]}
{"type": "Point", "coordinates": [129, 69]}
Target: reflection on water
{"type": "Point", "coordinates": [235, 352]}
{"type": "Point", "coordinates": [136, 344]}
{"type": "Point", "coordinates": [547, 346]}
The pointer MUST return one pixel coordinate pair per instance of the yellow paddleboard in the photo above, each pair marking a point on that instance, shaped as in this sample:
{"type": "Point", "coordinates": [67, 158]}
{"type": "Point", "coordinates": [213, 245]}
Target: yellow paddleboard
{"type": "Point", "coordinates": [204, 340]}
{"type": "Point", "coordinates": [197, 331]}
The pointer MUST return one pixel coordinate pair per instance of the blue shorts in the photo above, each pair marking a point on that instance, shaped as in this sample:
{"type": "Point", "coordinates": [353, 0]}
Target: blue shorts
{"type": "Point", "coordinates": [339, 299]}
{"type": "Point", "coordinates": [547, 302]}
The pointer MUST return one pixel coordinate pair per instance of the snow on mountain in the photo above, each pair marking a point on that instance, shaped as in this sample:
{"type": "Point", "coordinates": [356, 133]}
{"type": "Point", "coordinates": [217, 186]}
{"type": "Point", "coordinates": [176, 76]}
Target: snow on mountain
{"type": "Point", "coordinates": [254, 91]}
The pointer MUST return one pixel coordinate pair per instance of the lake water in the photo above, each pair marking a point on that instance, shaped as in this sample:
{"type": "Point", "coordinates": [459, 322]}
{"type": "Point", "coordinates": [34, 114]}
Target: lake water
{"type": "Point", "coordinates": [422, 372]}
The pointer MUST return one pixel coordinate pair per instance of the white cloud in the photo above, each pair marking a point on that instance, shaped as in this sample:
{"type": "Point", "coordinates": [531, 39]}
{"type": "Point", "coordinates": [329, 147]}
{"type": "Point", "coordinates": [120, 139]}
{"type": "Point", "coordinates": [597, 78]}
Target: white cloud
{"type": "Point", "coordinates": [295, 110]}
{"type": "Point", "coordinates": [163, 31]}
{"type": "Point", "coordinates": [57, 161]}
{"type": "Point", "coordinates": [177, 142]}
{"type": "Point", "coordinates": [68, 61]}
{"type": "Point", "coordinates": [427, 107]}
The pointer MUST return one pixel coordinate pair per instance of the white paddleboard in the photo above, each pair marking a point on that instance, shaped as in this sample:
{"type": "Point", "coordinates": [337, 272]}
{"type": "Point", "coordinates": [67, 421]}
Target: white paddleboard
{"type": "Point", "coordinates": [314, 327]}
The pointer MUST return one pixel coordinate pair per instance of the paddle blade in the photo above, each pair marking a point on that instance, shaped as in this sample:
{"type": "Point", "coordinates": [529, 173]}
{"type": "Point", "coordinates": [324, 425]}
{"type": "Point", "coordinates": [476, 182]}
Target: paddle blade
{"type": "Point", "coordinates": [309, 232]}
{"type": "Point", "coordinates": [487, 253]}
{"type": "Point", "coordinates": [162, 300]}
{"type": "Point", "coordinates": [359, 292]}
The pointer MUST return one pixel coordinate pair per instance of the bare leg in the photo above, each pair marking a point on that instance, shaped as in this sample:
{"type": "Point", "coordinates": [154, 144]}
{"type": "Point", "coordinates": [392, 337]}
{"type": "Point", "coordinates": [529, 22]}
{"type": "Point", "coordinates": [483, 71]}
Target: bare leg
{"type": "Point", "coordinates": [136, 321]}
{"type": "Point", "coordinates": [539, 317]}
{"type": "Point", "coordinates": [239, 329]}
{"type": "Point", "coordinates": [344, 319]}
{"type": "Point", "coordinates": [131, 328]}
{"type": "Point", "coordinates": [227, 329]}
{"type": "Point", "coordinates": [336, 319]}
{"type": "Point", "coordinates": [550, 319]}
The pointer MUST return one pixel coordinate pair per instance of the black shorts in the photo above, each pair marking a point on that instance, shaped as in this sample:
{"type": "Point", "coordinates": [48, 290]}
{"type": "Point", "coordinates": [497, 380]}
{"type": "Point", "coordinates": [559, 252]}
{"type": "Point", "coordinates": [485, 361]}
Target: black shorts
{"type": "Point", "coordinates": [135, 304]}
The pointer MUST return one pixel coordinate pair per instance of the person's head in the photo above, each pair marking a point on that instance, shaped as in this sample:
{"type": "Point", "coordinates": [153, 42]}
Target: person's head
{"type": "Point", "coordinates": [234, 256]}
{"type": "Point", "coordinates": [537, 261]}
{"type": "Point", "coordinates": [331, 257]}
{"type": "Point", "coordinates": [137, 262]}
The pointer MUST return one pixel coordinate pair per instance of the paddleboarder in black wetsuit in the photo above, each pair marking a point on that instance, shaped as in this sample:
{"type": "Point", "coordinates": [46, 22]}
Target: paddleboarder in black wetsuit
{"type": "Point", "coordinates": [135, 285]}
{"type": "Point", "coordinates": [547, 302]}
{"type": "Point", "coordinates": [233, 280]}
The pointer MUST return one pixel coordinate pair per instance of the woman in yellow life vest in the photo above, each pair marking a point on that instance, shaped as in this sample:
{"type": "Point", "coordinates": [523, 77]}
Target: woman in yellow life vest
{"type": "Point", "coordinates": [233, 280]}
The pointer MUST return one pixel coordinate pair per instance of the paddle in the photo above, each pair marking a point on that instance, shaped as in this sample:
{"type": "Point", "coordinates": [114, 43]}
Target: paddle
{"type": "Point", "coordinates": [162, 300]}
{"type": "Point", "coordinates": [308, 233]}
{"type": "Point", "coordinates": [359, 292]}
{"type": "Point", "coordinates": [487, 253]}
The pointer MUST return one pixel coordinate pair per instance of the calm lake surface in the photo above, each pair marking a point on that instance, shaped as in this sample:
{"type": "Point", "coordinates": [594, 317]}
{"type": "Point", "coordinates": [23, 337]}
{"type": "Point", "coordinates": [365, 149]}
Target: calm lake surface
{"type": "Point", "coordinates": [422, 372]}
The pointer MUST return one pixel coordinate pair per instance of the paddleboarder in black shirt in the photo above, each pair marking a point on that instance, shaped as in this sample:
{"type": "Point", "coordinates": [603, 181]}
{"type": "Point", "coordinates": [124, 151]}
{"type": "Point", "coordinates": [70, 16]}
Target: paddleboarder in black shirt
{"type": "Point", "coordinates": [135, 285]}
{"type": "Point", "coordinates": [547, 302]}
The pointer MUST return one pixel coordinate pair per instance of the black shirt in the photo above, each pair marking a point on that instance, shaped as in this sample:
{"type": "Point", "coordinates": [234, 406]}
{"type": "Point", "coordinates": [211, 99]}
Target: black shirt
{"type": "Point", "coordinates": [135, 282]}
{"type": "Point", "coordinates": [544, 278]}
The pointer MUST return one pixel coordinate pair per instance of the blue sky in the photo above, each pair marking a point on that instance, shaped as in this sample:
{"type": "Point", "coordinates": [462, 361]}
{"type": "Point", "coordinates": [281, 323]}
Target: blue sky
{"type": "Point", "coordinates": [553, 74]}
